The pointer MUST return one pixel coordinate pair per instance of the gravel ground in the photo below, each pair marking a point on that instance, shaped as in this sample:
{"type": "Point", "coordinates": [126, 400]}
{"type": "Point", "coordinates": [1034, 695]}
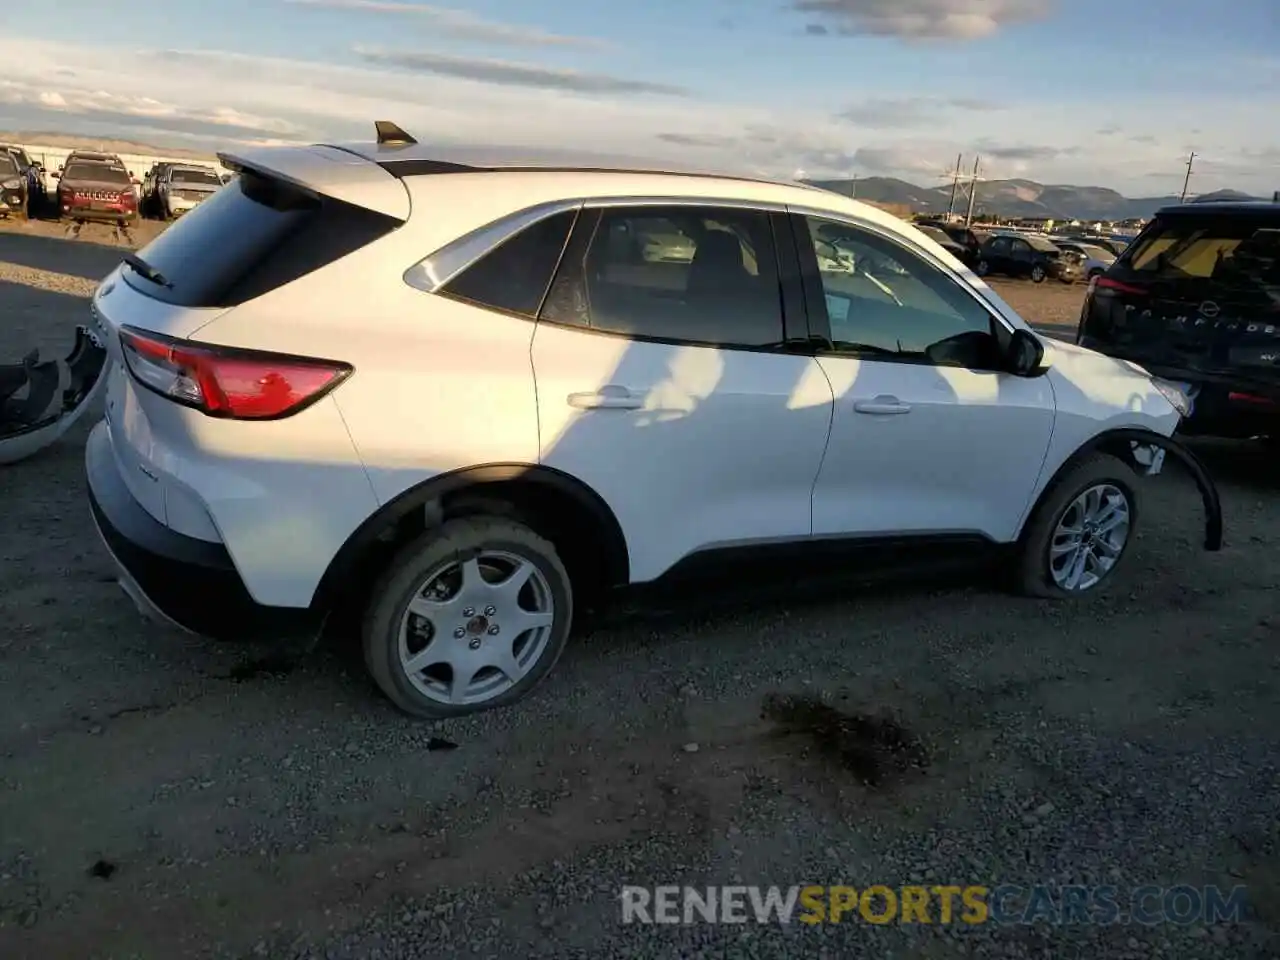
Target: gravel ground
{"type": "Point", "coordinates": [166, 797]}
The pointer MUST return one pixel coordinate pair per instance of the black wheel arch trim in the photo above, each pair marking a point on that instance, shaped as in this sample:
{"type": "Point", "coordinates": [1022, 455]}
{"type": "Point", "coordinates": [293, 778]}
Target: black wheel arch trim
{"type": "Point", "coordinates": [1208, 489]}
{"type": "Point", "coordinates": [616, 559]}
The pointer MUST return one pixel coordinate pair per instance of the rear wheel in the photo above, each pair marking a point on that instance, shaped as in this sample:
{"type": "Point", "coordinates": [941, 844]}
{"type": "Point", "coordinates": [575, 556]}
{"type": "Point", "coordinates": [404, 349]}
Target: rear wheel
{"type": "Point", "coordinates": [1081, 530]}
{"type": "Point", "coordinates": [468, 617]}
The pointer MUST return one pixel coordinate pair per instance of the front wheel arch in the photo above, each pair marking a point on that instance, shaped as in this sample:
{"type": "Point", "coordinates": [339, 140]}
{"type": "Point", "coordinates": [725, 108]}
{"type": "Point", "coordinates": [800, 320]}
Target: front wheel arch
{"type": "Point", "coordinates": [1118, 442]}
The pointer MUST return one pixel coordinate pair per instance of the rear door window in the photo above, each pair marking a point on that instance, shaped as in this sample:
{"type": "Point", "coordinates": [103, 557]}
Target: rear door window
{"type": "Point", "coordinates": [251, 237]}
{"type": "Point", "coordinates": [684, 274]}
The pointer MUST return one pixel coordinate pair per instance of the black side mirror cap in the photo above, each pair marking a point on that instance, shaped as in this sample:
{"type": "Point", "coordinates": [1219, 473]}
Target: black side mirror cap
{"type": "Point", "coordinates": [1025, 354]}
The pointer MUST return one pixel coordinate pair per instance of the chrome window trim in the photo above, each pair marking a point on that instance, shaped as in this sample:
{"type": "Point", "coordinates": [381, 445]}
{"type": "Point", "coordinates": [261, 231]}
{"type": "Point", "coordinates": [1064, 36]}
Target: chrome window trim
{"type": "Point", "coordinates": [906, 243]}
{"type": "Point", "coordinates": [435, 270]}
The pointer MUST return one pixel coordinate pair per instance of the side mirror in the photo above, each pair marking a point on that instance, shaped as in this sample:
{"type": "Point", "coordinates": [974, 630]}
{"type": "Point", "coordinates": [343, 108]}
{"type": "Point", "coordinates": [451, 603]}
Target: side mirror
{"type": "Point", "coordinates": [1025, 356]}
{"type": "Point", "coordinates": [56, 174]}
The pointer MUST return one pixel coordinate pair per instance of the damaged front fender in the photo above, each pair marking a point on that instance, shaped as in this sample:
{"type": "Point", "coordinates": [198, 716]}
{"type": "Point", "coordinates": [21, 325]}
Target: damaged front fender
{"type": "Point", "coordinates": [1175, 449]}
{"type": "Point", "coordinates": [41, 400]}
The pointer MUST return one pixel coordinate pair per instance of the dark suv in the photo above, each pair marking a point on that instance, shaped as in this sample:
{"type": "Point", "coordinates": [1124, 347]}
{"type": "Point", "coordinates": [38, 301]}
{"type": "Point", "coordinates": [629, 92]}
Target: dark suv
{"type": "Point", "coordinates": [1196, 299]}
{"type": "Point", "coordinates": [15, 188]}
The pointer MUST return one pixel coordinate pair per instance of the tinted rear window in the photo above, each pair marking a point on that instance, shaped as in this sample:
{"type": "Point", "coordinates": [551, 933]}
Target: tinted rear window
{"type": "Point", "coordinates": [255, 235]}
{"type": "Point", "coordinates": [97, 172]}
{"type": "Point", "coordinates": [1180, 248]}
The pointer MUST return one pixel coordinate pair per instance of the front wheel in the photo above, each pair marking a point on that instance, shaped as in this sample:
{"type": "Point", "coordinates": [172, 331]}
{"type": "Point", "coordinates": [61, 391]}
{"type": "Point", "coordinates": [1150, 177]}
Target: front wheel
{"type": "Point", "coordinates": [468, 617]}
{"type": "Point", "coordinates": [1038, 274]}
{"type": "Point", "coordinates": [1080, 531]}
{"type": "Point", "coordinates": [983, 268]}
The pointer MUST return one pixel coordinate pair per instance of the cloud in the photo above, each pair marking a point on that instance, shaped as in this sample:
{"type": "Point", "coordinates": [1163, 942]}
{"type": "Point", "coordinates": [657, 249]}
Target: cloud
{"type": "Point", "coordinates": [507, 73]}
{"type": "Point", "coordinates": [460, 24]}
{"type": "Point", "coordinates": [141, 112]}
{"type": "Point", "coordinates": [206, 98]}
{"type": "Point", "coordinates": [909, 111]}
{"type": "Point", "coordinates": [1145, 138]}
{"type": "Point", "coordinates": [918, 19]}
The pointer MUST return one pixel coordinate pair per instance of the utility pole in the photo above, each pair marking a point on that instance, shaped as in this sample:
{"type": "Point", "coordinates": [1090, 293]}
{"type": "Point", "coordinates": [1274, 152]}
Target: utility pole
{"type": "Point", "coordinates": [1186, 181]}
{"type": "Point", "coordinates": [973, 193]}
{"type": "Point", "coordinates": [955, 185]}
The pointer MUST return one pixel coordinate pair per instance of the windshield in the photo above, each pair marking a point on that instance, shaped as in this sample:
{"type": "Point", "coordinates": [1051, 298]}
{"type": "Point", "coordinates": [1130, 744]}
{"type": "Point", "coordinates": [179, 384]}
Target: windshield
{"type": "Point", "coordinates": [96, 172]}
{"type": "Point", "coordinates": [1208, 248]}
{"type": "Point", "coordinates": [1041, 244]}
{"type": "Point", "coordinates": [933, 233]}
{"type": "Point", "coordinates": [8, 164]}
{"type": "Point", "coordinates": [195, 177]}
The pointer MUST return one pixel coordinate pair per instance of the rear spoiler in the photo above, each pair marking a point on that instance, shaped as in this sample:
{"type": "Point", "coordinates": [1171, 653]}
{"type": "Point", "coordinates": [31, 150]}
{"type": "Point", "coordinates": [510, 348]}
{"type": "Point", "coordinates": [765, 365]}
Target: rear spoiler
{"type": "Point", "coordinates": [327, 172]}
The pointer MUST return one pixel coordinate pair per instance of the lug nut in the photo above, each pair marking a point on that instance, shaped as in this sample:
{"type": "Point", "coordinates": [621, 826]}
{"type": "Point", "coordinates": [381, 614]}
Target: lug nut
{"type": "Point", "coordinates": [474, 644]}
{"type": "Point", "coordinates": [493, 631]}
{"type": "Point", "coordinates": [490, 611]}
{"type": "Point", "coordinates": [460, 632]}
{"type": "Point", "coordinates": [469, 612]}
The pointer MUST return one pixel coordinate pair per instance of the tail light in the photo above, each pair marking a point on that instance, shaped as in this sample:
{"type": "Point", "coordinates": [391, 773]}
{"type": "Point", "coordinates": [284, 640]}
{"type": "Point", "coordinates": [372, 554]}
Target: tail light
{"type": "Point", "coordinates": [1106, 283]}
{"type": "Point", "coordinates": [228, 383]}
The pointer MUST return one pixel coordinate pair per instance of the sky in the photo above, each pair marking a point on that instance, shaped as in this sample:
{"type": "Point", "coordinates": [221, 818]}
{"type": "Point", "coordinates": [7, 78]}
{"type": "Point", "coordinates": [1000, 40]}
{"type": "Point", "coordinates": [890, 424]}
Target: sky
{"type": "Point", "coordinates": [1089, 92]}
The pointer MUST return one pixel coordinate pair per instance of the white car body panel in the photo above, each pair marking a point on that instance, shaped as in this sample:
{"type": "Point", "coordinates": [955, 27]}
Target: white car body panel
{"type": "Point", "coordinates": [962, 459]}
{"type": "Point", "coordinates": [717, 447]}
{"type": "Point", "coordinates": [724, 447]}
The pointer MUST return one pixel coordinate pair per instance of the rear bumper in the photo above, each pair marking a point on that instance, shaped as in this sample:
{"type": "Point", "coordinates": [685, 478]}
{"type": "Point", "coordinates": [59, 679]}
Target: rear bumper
{"type": "Point", "coordinates": [177, 579]}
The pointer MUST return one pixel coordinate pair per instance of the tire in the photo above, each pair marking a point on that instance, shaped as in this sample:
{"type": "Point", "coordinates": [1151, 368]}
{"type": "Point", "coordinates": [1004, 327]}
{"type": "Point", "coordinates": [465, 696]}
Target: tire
{"type": "Point", "coordinates": [463, 633]}
{"type": "Point", "coordinates": [1038, 274]}
{"type": "Point", "coordinates": [1033, 567]}
{"type": "Point", "coordinates": [983, 268]}
{"type": "Point", "coordinates": [1095, 272]}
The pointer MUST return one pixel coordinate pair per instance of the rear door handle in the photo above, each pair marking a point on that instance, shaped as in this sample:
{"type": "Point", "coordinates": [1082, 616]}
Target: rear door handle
{"type": "Point", "coordinates": [882, 406]}
{"type": "Point", "coordinates": [609, 397]}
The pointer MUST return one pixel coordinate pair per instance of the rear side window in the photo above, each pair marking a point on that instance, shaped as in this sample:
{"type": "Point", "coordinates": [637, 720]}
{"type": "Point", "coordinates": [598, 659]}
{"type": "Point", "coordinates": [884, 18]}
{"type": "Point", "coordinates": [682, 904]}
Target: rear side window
{"type": "Point", "coordinates": [514, 276]}
{"type": "Point", "coordinates": [8, 163]}
{"type": "Point", "coordinates": [1227, 249]}
{"type": "Point", "coordinates": [251, 237]}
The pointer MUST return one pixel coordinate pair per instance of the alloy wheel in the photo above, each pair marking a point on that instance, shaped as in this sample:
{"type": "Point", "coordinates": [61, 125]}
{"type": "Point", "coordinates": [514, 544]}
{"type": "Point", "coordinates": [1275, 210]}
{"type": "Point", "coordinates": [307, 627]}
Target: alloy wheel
{"type": "Point", "coordinates": [1090, 537]}
{"type": "Point", "coordinates": [476, 627]}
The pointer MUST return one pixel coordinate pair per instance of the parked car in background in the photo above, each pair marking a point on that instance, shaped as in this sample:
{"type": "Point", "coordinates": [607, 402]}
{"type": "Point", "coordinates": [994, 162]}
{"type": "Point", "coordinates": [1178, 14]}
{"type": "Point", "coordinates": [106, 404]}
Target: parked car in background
{"type": "Point", "coordinates": [464, 453]}
{"type": "Point", "coordinates": [963, 253]}
{"type": "Point", "coordinates": [969, 238]}
{"type": "Point", "coordinates": [1028, 255]}
{"type": "Point", "coordinates": [1111, 244]}
{"type": "Point", "coordinates": [32, 172]}
{"type": "Point", "coordinates": [180, 188]}
{"type": "Point", "coordinates": [96, 187]}
{"type": "Point", "coordinates": [1196, 299]}
{"type": "Point", "coordinates": [1097, 260]}
{"type": "Point", "coordinates": [15, 188]}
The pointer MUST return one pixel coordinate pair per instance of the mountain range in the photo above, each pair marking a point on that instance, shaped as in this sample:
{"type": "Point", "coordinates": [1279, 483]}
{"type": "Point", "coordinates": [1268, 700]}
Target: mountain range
{"type": "Point", "coordinates": [1014, 198]}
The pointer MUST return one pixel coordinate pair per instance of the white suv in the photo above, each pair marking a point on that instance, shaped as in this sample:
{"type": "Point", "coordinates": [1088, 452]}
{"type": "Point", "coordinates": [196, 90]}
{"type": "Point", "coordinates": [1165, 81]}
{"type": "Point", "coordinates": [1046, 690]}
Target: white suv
{"type": "Point", "coordinates": [472, 396]}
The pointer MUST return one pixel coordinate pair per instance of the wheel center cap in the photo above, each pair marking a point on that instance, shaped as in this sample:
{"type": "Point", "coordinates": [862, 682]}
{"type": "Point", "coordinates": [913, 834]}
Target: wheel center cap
{"type": "Point", "coordinates": [477, 626]}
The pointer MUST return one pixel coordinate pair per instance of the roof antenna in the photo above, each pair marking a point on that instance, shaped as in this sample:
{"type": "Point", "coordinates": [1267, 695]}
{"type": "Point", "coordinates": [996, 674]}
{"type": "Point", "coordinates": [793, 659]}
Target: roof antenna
{"type": "Point", "coordinates": [391, 135]}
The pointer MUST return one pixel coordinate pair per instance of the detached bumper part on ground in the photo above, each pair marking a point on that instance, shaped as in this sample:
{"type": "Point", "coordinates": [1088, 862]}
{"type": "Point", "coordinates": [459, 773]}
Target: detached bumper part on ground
{"type": "Point", "coordinates": [188, 582]}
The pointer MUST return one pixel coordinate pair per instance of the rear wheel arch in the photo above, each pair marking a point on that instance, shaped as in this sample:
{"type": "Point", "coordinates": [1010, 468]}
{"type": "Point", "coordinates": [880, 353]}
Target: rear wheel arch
{"type": "Point", "coordinates": [554, 504]}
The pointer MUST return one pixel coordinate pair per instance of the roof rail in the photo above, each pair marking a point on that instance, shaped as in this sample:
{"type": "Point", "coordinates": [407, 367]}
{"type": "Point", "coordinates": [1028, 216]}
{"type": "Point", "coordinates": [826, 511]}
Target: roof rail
{"type": "Point", "coordinates": [389, 134]}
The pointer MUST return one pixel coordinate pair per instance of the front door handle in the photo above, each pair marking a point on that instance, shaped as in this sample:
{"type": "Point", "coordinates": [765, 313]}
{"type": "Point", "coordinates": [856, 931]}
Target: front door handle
{"type": "Point", "coordinates": [609, 397]}
{"type": "Point", "coordinates": [882, 406]}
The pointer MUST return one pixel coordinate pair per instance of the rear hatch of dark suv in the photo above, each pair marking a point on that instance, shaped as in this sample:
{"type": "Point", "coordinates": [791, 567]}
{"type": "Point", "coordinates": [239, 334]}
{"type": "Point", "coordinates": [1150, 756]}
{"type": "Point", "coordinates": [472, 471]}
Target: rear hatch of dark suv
{"type": "Point", "coordinates": [1196, 299]}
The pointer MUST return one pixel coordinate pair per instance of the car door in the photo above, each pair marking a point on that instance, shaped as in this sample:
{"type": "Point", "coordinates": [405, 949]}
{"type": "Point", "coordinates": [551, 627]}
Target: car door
{"type": "Point", "coordinates": [664, 384]}
{"type": "Point", "coordinates": [1022, 257]}
{"type": "Point", "coordinates": [996, 253]}
{"type": "Point", "coordinates": [928, 434]}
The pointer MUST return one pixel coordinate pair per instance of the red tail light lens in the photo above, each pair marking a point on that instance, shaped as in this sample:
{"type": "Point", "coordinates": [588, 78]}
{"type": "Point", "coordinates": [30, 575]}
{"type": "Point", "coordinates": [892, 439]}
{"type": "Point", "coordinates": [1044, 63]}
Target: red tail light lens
{"type": "Point", "coordinates": [1106, 283]}
{"type": "Point", "coordinates": [226, 383]}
